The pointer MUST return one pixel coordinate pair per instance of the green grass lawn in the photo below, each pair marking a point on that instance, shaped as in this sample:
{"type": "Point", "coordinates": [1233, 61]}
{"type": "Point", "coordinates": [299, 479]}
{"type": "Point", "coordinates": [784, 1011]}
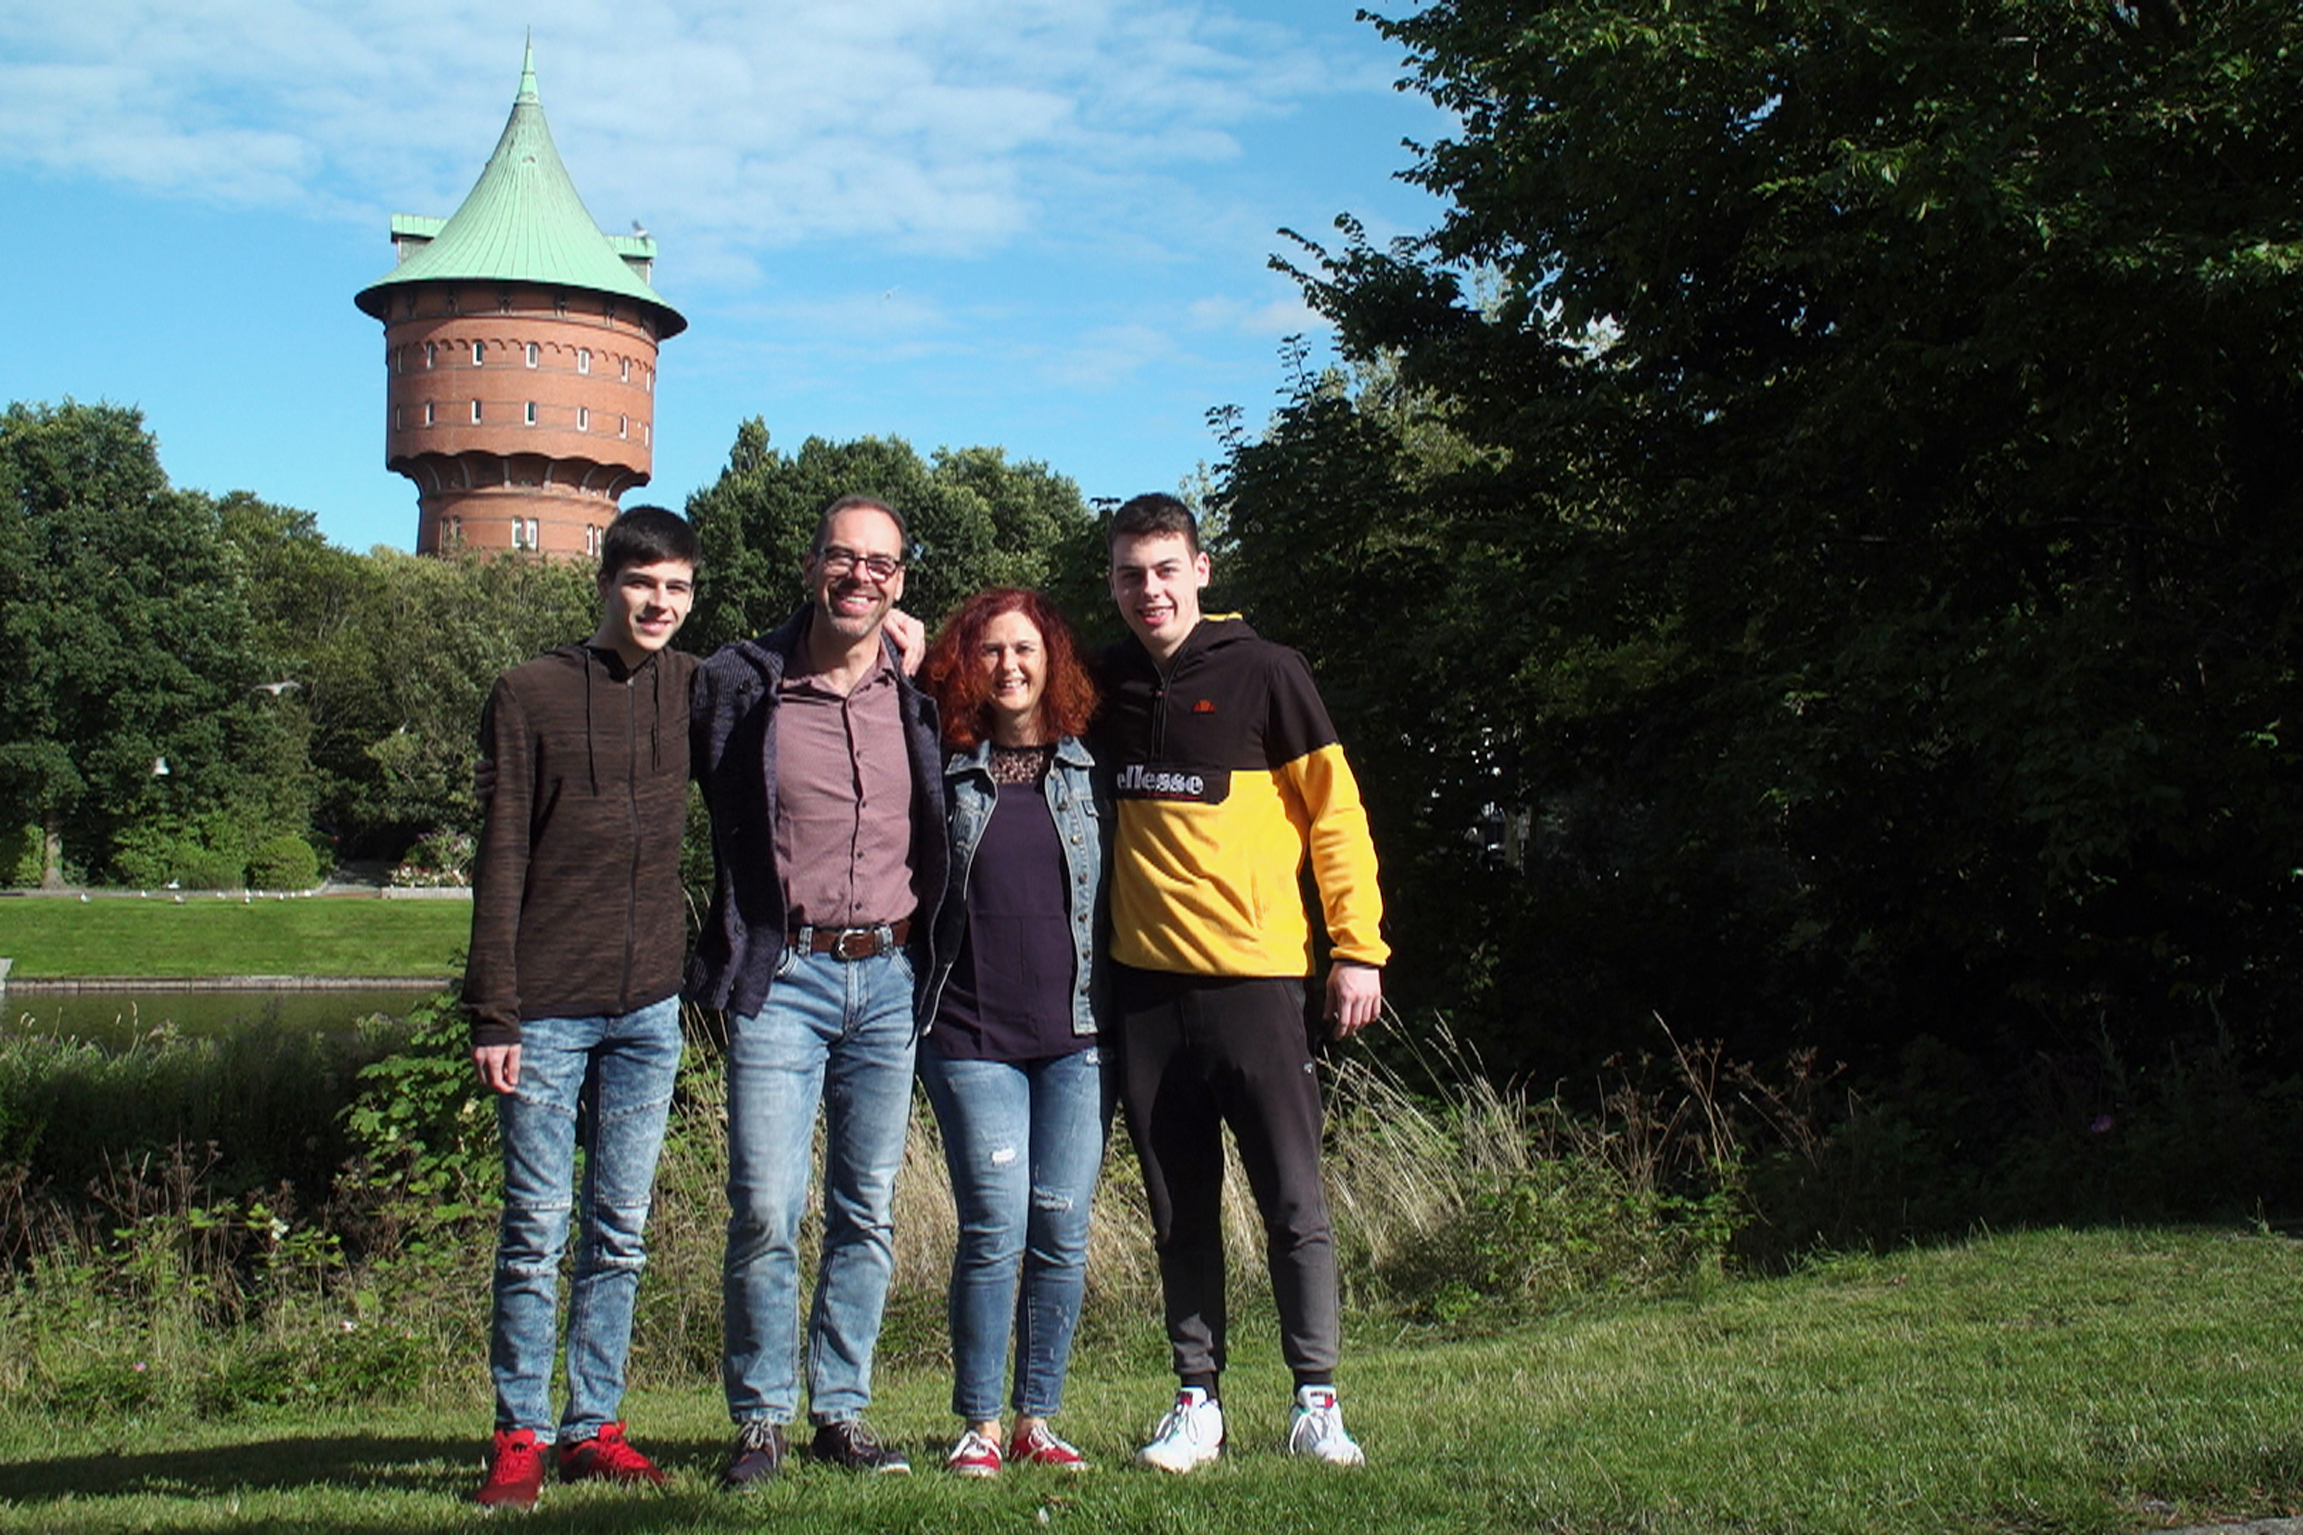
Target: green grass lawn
{"type": "Point", "coordinates": [2094, 1382]}
{"type": "Point", "coordinates": [347, 935]}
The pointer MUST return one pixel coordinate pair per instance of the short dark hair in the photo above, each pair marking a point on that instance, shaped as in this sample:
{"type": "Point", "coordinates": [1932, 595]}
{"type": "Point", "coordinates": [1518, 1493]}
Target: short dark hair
{"type": "Point", "coordinates": [648, 535]}
{"type": "Point", "coordinates": [1155, 513]}
{"type": "Point", "coordinates": [853, 502]}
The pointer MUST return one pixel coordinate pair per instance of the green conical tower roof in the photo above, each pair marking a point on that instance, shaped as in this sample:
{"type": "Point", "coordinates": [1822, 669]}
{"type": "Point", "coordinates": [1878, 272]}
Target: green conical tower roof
{"type": "Point", "coordinates": [523, 222]}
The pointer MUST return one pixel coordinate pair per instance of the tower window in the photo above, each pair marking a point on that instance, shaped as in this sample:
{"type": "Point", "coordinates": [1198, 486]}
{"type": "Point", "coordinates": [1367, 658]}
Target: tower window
{"type": "Point", "coordinates": [583, 418]}
{"type": "Point", "coordinates": [431, 353]}
{"type": "Point", "coordinates": [479, 354]}
{"type": "Point", "coordinates": [531, 413]}
{"type": "Point", "coordinates": [531, 354]}
{"type": "Point", "coordinates": [624, 369]}
{"type": "Point", "coordinates": [475, 410]}
{"type": "Point", "coordinates": [396, 421]}
{"type": "Point", "coordinates": [519, 534]}
{"type": "Point", "coordinates": [583, 359]}
{"type": "Point", "coordinates": [429, 416]}
{"type": "Point", "coordinates": [623, 426]}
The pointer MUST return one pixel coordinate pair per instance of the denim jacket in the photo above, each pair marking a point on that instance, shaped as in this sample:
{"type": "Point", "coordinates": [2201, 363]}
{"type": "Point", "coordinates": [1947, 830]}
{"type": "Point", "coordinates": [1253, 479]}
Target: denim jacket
{"type": "Point", "coordinates": [1081, 823]}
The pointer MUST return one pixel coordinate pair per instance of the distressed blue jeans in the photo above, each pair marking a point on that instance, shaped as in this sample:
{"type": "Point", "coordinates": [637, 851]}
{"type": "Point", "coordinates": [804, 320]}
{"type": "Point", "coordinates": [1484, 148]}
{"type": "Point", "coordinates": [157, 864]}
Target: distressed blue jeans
{"type": "Point", "coordinates": [603, 1083]}
{"type": "Point", "coordinates": [836, 1034]}
{"type": "Point", "coordinates": [1024, 1142]}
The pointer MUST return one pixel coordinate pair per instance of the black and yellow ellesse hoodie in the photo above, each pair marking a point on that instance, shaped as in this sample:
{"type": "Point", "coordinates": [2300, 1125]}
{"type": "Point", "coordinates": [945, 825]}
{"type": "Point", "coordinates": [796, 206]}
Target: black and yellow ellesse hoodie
{"type": "Point", "coordinates": [1227, 775]}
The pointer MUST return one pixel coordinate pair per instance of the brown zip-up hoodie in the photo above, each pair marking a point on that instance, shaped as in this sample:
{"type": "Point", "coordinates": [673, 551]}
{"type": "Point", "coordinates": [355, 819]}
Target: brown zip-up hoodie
{"type": "Point", "coordinates": [576, 904]}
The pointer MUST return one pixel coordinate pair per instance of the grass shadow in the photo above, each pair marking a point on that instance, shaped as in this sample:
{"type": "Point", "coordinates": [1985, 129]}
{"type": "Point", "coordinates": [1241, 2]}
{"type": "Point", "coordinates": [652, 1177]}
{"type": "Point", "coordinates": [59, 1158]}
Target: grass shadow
{"type": "Point", "coordinates": [358, 1461]}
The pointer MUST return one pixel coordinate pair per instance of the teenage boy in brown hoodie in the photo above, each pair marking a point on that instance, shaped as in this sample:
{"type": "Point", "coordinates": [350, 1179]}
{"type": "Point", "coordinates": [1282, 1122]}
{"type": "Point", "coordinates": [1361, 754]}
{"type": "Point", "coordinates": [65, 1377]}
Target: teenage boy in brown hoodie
{"type": "Point", "coordinates": [573, 988]}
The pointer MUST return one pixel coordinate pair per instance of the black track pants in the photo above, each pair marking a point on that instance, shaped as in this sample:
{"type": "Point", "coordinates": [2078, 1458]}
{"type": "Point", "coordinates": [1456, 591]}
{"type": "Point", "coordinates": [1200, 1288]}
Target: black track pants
{"type": "Point", "coordinates": [1196, 1053]}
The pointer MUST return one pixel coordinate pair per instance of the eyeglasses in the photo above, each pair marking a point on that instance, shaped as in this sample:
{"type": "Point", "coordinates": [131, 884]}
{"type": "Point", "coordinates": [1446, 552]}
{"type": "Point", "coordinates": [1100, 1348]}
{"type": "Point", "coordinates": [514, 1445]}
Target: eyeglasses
{"type": "Point", "coordinates": [837, 562]}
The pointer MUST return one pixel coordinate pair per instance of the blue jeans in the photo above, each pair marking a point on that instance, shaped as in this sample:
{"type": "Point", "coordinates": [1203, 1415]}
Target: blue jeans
{"type": "Point", "coordinates": [1025, 1143]}
{"type": "Point", "coordinates": [837, 1033]}
{"type": "Point", "coordinates": [606, 1082]}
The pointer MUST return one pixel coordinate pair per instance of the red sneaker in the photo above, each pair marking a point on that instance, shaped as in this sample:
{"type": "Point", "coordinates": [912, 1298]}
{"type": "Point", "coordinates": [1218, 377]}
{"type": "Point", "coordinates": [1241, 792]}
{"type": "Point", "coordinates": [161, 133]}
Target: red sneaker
{"type": "Point", "coordinates": [974, 1455]}
{"type": "Point", "coordinates": [1038, 1446]}
{"type": "Point", "coordinates": [515, 1471]}
{"type": "Point", "coordinates": [608, 1457]}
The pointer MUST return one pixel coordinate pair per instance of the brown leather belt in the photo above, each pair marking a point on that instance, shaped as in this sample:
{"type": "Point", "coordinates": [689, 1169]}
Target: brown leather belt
{"type": "Point", "coordinates": [853, 942]}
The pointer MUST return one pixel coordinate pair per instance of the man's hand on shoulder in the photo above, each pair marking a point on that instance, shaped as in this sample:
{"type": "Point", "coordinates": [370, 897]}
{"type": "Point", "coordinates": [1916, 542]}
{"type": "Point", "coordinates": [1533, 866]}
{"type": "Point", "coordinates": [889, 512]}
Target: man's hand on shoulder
{"type": "Point", "coordinates": [910, 637]}
{"type": "Point", "coordinates": [499, 1066]}
{"type": "Point", "coordinates": [1354, 997]}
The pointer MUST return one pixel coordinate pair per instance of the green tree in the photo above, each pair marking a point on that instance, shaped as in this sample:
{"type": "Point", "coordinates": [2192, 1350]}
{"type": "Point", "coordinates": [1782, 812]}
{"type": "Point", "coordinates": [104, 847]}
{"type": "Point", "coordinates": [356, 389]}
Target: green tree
{"type": "Point", "coordinates": [1880, 540]}
{"type": "Point", "coordinates": [975, 518]}
{"type": "Point", "coordinates": [396, 666]}
{"type": "Point", "coordinates": [126, 657]}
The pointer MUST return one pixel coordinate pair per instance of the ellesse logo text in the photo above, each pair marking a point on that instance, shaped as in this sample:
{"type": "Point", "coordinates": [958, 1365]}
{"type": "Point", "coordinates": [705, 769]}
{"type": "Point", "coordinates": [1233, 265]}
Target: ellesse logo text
{"type": "Point", "coordinates": [1157, 783]}
{"type": "Point", "coordinates": [1144, 780]}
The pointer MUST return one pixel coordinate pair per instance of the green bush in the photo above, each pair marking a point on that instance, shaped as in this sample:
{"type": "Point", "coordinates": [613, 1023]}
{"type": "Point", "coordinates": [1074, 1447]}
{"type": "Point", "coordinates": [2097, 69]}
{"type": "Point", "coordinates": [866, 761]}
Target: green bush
{"type": "Point", "coordinates": [283, 861]}
{"type": "Point", "coordinates": [422, 1123]}
{"type": "Point", "coordinates": [210, 853]}
{"type": "Point", "coordinates": [20, 862]}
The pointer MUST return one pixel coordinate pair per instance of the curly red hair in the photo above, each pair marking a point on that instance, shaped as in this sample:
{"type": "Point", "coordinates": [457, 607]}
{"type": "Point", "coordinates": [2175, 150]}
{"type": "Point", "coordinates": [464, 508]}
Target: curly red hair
{"type": "Point", "coordinates": [962, 692]}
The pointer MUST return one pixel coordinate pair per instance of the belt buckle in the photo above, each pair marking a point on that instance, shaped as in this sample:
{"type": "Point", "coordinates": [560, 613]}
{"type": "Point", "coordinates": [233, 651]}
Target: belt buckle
{"type": "Point", "coordinates": [858, 943]}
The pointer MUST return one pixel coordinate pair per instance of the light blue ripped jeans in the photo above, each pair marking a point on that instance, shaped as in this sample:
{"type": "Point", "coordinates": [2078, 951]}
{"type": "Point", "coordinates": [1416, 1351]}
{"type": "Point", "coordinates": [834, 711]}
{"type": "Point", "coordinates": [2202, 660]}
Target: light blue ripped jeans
{"type": "Point", "coordinates": [1024, 1142]}
{"type": "Point", "coordinates": [605, 1083]}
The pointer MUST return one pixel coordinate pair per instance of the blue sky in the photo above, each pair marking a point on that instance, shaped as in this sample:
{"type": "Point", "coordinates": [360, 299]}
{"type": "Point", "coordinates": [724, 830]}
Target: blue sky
{"type": "Point", "coordinates": [1036, 224]}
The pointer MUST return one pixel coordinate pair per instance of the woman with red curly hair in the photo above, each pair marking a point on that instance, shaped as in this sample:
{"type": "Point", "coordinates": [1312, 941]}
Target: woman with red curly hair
{"type": "Point", "coordinates": [1010, 1059]}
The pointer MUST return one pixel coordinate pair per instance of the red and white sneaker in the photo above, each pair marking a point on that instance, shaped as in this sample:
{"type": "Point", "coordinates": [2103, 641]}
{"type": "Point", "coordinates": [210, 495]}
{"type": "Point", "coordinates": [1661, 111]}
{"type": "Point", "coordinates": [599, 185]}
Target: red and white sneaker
{"type": "Point", "coordinates": [607, 1457]}
{"type": "Point", "coordinates": [1315, 1429]}
{"type": "Point", "coordinates": [1038, 1446]}
{"type": "Point", "coordinates": [974, 1455]}
{"type": "Point", "coordinates": [1190, 1436]}
{"type": "Point", "coordinates": [515, 1470]}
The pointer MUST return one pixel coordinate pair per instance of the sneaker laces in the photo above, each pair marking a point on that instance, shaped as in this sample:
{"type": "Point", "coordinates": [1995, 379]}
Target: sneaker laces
{"type": "Point", "coordinates": [1181, 1419]}
{"type": "Point", "coordinates": [1039, 1440]}
{"type": "Point", "coordinates": [756, 1434]}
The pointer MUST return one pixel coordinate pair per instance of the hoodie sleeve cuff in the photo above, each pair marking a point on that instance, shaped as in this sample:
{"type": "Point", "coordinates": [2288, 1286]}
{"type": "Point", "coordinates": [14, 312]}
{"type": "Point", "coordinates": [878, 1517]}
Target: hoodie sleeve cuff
{"type": "Point", "coordinates": [493, 1031]}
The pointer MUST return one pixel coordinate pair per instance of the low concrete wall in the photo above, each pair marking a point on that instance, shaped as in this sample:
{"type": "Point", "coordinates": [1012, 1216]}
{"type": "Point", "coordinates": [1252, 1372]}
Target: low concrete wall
{"type": "Point", "coordinates": [220, 983]}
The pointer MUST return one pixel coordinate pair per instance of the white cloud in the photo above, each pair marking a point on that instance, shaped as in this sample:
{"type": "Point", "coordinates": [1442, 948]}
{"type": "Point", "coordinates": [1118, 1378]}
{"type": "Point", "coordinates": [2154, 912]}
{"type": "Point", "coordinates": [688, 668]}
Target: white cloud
{"type": "Point", "coordinates": [1109, 356]}
{"type": "Point", "coordinates": [951, 127]}
{"type": "Point", "coordinates": [1284, 316]}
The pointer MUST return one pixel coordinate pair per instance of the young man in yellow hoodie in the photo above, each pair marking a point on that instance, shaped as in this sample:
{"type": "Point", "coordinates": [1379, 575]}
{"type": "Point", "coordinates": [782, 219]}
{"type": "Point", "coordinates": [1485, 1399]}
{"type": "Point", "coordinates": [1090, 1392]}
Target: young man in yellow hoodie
{"type": "Point", "coordinates": [1228, 778]}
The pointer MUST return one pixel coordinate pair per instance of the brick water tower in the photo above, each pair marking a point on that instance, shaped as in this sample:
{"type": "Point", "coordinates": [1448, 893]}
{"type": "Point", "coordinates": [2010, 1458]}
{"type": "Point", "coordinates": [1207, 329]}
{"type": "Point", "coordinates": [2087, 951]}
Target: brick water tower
{"type": "Point", "coordinates": [520, 344]}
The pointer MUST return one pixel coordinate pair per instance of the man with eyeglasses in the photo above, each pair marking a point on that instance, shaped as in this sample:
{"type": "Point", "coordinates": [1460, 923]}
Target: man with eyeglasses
{"type": "Point", "coordinates": [821, 767]}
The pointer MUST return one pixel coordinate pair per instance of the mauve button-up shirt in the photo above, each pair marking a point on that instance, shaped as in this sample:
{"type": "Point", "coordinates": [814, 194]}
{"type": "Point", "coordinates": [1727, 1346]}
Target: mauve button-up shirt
{"type": "Point", "coordinates": [843, 803]}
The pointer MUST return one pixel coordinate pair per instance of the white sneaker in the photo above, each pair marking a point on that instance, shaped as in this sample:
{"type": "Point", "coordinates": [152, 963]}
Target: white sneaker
{"type": "Point", "coordinates": [1316, 1429]}
{"type": "Point", "coordinates": [1191, 1435]}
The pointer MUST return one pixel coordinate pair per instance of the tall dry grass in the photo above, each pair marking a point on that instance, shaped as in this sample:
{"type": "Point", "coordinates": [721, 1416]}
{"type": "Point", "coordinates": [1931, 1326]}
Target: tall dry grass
{"type": "Point", "coordinates": [1455, 1201]}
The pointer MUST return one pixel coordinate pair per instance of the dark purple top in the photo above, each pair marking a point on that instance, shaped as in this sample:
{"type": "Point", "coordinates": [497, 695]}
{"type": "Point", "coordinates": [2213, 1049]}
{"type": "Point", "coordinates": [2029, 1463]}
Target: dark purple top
{"type": "Point", "coordinates": [1010, 993]}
